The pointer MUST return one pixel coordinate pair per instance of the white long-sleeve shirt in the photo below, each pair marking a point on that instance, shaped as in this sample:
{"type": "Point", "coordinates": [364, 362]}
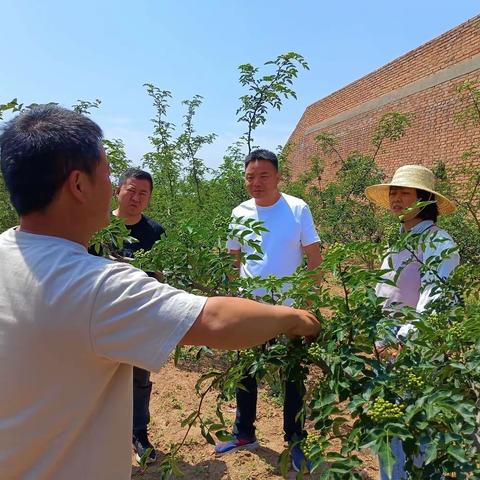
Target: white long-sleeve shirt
{"type": "Point", "coordinates": [413, 287]}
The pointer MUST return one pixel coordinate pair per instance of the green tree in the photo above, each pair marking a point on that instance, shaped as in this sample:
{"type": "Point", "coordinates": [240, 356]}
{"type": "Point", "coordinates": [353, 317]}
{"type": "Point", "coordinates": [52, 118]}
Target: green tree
{"type": "Point", "coordinates": [461, 182]}
{"type": "Point", "coordinates": [189, 145]}
{"type": "Point", "coordinates": [340, 208]}
{"type": "Point", "coordinates": [267, 91]}
{"type": "Point", "coordinates": [117, 158]}
{"type": "Point", "coordinates": [84, 106]}
{"type": "Point", "coordinates": [164, 160]}
{"type": "Point", "coordinates": [8, 216]}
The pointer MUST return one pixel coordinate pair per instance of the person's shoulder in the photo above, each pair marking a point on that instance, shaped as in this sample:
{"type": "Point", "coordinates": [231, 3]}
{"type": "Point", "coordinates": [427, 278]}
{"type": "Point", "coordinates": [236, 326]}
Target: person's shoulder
{"type": "Point", "coordinates": [243, 208]}
{"type": "Point", "coordinates": [95, 261]}
{"type": "Point", "coordinates": [7, 235]}
{"type": "Point", "coordinates": [154, 225]}
{"type": "Point", "coordinates": [114, 273]}
{"type": "Point", "coordinates": [294, 201]}
{"type": "Point", "coordinates": [440, 234]}
{"type": "Point", "coordinates": [151, 222]}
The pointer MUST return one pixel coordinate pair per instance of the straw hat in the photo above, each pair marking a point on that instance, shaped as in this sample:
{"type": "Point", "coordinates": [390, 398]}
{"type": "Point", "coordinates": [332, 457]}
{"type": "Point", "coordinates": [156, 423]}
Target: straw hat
{"type": "Point", "coordinates": [412, 176]}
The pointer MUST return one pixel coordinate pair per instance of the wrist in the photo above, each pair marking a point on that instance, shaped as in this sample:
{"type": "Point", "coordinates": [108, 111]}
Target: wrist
{"type": "Point", "coordinates": [287, 316]}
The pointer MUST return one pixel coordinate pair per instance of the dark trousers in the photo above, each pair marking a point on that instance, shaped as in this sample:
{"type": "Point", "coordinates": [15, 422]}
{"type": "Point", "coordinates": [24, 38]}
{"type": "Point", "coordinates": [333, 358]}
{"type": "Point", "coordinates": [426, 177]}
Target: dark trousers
{"type": "Point", "coordinates": [142, 388]}
{"type": "Point", "coordinates": [247, 409]}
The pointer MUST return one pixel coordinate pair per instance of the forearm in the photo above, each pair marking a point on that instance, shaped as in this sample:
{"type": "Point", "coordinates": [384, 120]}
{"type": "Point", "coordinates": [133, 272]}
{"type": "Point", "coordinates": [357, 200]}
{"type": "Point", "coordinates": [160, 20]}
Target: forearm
{"type": "Point", "coordinates": [234, 323]}
{"type": "Point", "coordinates": [318, 275]}
{"type": "Point", "coordinates": [314, 259]}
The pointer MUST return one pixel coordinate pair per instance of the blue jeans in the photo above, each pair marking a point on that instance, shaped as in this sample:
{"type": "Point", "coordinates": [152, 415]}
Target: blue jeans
{"type": "Point", "coordinates": [398, 472]}
{"type": "Point", "coordinates": [247, 409]}
{"type": "Point", "coordinates": [142, 388]}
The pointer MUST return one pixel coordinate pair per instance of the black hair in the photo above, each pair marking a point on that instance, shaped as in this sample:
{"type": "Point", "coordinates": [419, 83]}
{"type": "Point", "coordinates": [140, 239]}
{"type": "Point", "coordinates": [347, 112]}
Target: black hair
{"type": "Point", "coordinates": [429, 212]}
{"type": "Point", "coordinates": [40, 147]}
{"type": "Point", "coordinates": [262, 154]}
{"type": "Point", "coordinates": [135, 173]}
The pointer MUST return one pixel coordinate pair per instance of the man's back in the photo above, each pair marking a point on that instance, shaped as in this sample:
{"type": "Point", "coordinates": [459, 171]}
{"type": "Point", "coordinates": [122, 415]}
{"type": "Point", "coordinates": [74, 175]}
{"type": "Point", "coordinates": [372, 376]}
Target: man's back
{"type": "Point", "coordinates": [73, 324]}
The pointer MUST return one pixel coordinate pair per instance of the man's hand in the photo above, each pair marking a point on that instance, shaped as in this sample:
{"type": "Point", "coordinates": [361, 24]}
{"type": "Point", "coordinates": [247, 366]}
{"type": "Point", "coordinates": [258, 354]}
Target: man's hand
{"type": "Point", "coordinates": [390, 352]}
{"type": "Point", "coordinates": [159, 276]}
{"type": "Point", "coordinates": [307, 324]}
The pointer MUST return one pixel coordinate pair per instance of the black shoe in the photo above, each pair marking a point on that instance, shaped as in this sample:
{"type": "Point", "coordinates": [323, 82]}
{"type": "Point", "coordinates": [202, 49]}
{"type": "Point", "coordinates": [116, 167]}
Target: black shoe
{"type": "Point", "coordinates": [144, 451]}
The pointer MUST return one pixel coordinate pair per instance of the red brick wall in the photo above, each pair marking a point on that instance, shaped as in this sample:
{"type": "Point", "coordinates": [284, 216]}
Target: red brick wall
{"type": "Point", "coordinates": [434, 135]}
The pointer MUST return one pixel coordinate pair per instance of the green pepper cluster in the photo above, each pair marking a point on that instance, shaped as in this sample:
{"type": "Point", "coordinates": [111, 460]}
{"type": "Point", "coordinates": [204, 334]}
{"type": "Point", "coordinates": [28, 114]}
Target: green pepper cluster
{"type": "Point", "coordinates": [312, 440]}
{"type": "Point", "coordinates": [436, 321]}
{"type": "Point", "coordinates": [248, 355]}
{"type": "Point", "coordinates": [335, 247]}
{"type": "Point", "coordinates": [412, 381]}
{"type": "Point", "coordinates": [315, 352]}
{"type": "Point", "coordinates": [382, 411]}
{"type": "Point", "coordinates": [457, 331]}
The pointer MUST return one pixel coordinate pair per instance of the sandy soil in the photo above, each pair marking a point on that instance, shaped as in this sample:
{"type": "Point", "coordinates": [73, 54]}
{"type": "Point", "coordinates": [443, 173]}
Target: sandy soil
{"type": "Point", "coordinates": [174, 397]}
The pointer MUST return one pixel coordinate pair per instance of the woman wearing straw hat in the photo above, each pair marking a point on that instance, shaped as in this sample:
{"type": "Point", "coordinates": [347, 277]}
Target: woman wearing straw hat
{"type": "Point", "coordinates": [414, 288]}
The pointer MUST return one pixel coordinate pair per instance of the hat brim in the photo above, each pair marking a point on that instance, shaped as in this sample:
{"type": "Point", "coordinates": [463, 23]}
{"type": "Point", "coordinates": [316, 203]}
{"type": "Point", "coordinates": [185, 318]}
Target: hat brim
{"type": "Point", "coordinates": [379, 195]}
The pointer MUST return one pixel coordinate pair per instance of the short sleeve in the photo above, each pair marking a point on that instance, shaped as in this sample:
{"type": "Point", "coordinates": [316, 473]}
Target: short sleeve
{"type": "Point", "coordinates": [159, 231]}
{"type": "Point", "coordinates": [309, 233]}
{"type": "Point", "coordinates": [233, 244]}
{"type": "Point", "coordinates": [137, 320]}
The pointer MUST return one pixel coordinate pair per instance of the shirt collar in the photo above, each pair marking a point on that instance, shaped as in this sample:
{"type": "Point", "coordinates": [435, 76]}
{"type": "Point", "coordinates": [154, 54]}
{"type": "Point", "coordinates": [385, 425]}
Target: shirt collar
{"type": "Point", "coordinates": [419, 227]}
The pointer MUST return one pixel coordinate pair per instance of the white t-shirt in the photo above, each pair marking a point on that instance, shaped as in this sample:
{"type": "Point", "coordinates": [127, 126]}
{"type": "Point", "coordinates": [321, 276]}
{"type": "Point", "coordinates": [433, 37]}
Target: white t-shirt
{"type": "Point", "coordinates": [71, 327]}
{"type": "Point", "coordinates": [290, 228]}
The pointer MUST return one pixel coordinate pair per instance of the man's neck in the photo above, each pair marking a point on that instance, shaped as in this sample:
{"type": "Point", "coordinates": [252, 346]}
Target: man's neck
{"type": "Point", "coordinates": [268, 202]}
{"type": "Point", "coordinates": [68, 229]}
{"type": "Point", "coordinates": [128, 219]}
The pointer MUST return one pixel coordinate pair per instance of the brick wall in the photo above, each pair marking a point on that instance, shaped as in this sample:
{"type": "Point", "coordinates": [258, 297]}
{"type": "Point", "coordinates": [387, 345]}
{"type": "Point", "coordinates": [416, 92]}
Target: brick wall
{"type": "Point", "coordinates": [421, 82]}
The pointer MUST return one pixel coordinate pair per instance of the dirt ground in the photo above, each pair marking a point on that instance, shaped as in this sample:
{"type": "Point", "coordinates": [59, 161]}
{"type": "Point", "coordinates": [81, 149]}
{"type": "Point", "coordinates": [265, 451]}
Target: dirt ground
{"type": "Point", "coordinates": [174, 397]}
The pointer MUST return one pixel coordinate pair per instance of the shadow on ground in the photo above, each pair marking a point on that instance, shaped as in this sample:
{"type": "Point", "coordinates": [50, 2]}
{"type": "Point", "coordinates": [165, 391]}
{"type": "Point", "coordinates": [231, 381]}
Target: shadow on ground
{"type": "Point", "coordinates": [211, 469]}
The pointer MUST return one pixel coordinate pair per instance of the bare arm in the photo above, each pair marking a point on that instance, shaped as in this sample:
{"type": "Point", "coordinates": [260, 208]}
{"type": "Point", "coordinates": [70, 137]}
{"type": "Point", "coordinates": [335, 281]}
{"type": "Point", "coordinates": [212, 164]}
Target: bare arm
{"type": "Point", "coordinates": [236, 257]}
{"type": "Point", "coordinates": [314, 257]}
{"type": "Point", "coordinates": [234, 323]}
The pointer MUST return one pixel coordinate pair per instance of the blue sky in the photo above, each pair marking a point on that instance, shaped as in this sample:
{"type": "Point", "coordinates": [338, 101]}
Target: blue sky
{"type": "Point", "coordinates": [58, 50]}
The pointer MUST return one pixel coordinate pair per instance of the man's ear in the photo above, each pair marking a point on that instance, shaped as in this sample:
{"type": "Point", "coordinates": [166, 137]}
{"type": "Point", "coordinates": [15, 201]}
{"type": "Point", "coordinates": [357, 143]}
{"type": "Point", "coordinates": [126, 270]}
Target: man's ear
{"type": "Point", "coordinates": [76, 184]}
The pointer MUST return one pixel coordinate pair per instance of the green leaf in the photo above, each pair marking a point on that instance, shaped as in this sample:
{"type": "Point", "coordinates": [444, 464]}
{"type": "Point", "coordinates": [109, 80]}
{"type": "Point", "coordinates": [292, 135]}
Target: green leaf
{"type": "Point", "coordinates": [176, 357]}
{"type": "Point", "coordinates": [224, 436]}
{"type": "Point", "coordinates": [386, 456]}
{"type": "Point", "coordinates": [284, 462]}
{"type": "Point", "coordinates": [458, 453]}
{"type": "Point", "coordinates": [431, 453]}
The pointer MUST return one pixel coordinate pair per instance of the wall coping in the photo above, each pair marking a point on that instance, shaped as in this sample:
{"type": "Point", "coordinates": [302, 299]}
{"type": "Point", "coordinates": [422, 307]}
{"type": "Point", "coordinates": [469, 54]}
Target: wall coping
{"type": "Point", "coordinates": [462, 68]}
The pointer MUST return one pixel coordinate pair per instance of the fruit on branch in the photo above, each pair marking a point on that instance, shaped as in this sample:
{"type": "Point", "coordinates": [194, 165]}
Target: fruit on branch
{"type": "Point", "coordinates": [383, 411]}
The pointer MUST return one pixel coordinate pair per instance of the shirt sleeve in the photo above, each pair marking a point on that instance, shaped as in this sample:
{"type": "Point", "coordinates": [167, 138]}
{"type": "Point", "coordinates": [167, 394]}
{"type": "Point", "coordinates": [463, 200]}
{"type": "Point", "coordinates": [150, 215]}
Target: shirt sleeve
{"type": "Point", "coordinates": [434, 246]}
{"type": "Point", "coordinates": [159, 231]}
{"type": "Point", "coordinates": [137, 320]}
{"type": "Point", "coordinates": [309, 233]}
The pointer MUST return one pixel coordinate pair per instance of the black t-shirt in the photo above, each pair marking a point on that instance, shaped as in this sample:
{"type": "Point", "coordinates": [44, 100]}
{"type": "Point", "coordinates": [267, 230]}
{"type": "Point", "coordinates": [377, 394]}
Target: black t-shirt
{"type": "Point", "coordinates": [146, 231]}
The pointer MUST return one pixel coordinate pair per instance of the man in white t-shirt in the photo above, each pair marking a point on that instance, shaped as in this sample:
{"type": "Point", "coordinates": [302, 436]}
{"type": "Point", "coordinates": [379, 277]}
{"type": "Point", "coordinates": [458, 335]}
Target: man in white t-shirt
{"type": "Point", "coordinates": [291, 235]}
{"type": "Point", "coordinates": [72, 325]}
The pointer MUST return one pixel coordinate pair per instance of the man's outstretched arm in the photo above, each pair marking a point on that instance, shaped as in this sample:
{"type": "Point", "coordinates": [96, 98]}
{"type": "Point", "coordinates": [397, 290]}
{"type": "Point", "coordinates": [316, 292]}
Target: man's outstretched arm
{"type": "Point", "coordinates": [234, 323]}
